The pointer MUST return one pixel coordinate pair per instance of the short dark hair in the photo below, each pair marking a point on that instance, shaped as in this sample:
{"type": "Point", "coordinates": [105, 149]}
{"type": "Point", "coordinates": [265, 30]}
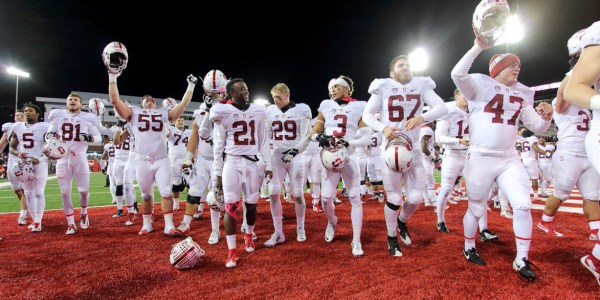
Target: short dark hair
{"type": "Point", "coordinates": [397, 58]}
{"type": "Point", "coordinates": [29, 104]}
{"type": "Point", "coordinates": [229, 86]}
{"type": "Point", "coordinates": [20, 110]}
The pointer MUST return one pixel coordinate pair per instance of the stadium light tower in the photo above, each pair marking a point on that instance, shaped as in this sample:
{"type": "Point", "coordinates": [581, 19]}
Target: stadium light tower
{"type": "Point", "coordinates": [18, 73]}
{"type": "Point", "coordinates": [513, 33]}
{"type": "Point", "coordinates": [419, 60]}
{"type": "Point", "coordinates": [261, 101]}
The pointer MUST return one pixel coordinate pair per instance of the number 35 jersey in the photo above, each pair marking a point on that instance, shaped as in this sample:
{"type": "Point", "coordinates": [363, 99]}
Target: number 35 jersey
{"type": "Point", "coordinates": [245, 131]}
{"type": "Point", "coordinates": [342, 121]}
{"type": "Point", "coordinates": [149, 127]}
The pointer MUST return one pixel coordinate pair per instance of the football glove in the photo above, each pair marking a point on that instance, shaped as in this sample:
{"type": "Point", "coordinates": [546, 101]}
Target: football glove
{"type": "Point", "coordinates": [288, 155]}
{"type": "Point", "coordinates": [323, 140]}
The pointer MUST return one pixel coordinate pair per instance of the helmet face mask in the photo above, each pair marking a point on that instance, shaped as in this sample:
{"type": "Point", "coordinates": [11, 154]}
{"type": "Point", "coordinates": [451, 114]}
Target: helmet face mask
{"type": "Point", "coordinates": [215, 200]}
{"type": "Point", "coordinates": [489, 19]}
{"type": "Point", "coordinates": [115, 57]}
{"type": "Point", "coordinates": [185, 254]}
{"type": "Point", "coordinates": [23, 170]}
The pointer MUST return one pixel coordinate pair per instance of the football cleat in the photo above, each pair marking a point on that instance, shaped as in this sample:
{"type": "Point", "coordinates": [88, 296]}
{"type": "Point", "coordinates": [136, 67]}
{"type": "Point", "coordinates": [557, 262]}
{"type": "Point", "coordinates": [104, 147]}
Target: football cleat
{"type": "Point", "coordinates": [131, 219]}
{"type": "Point", "coordinates": [393, 246]}
{"type": "Point", "coordinates": [145, 230]}
{"type": "Point", "coordinates": [523, 266]}
{"type": "Point", "coordinates": [507, 214]}
{"type": "Point", "coordinates": [72, 229]}
{"type": "Point", "coordinates": [441, 227]}
{"type": "Point", "coordinates": [300, 234]}
{"type": "Point", "coordinates": [215, 235]}
{"type": "Point", "coordinates": [330, 231]}
{"type": "Point", "coordinates": [118, 214]}
{"type": "Point", "coordinates": [486, 235]}
{"type": "Point", "coordinates": [249, 242]}
{"type": "Point", "coordinates": [548, 227]}
{"type": "Point", "coordinates": [593, 236]}
{"type": "Point", "coordinates": [197, 215]}
{"type": "Point", "coordinates": [588, 263]}
{"type": "Point", "coordinates": [84, 221]}
{"type": "Point", "coordinates": [357, 250]}
{"type": "Point", "coordinates": [183, 229]}
{"type": "Point", "coordinates": [22, 221]}
{"type": "Point", "coordinates": [231, 258]}
{"type": "Point", "coordinates": [276, 238]}
{"type": "Point", "coordinates": [473, 257]}
{"type": "Point", "coordinates": [317, 207]}
{"type": "Point", "coordinates": [403, 230]}
{"type": "Point", "coordinates": [37, 227]}
{"type": "Point", "coordinates": [337, 200]}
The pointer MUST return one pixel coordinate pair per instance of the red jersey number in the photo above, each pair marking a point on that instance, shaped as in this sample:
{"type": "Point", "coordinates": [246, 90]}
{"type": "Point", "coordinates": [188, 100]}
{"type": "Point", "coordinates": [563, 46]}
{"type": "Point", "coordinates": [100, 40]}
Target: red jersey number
{"type": "Point", "coordinates": [149, 122]}
{"type": "Point", "coordinates": [496, 107]}
{"type": "Point", "coordinates": [244, 136]}
{"type": "Point", "coordinates": [396, 112]}
{"type": "Point", "coordinates": [284, 130]}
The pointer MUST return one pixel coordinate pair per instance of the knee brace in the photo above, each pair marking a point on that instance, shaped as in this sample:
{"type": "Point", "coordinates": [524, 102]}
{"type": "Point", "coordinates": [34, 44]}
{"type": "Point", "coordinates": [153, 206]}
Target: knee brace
{"type": "Point", "coordinates": [193, 199]}
{"type": "Point", "coordinates": [119, 191]}
{"type": "Point", "coordinates": [392, 206]}
{"type": "Point", "coordinates": [376, 182]}
{"type": "Point", "coordinates": [362, 182]}
{"type": "Point", "coordinates": [231, 209]}
{"type": "Point", "coordinates": [177, 188]}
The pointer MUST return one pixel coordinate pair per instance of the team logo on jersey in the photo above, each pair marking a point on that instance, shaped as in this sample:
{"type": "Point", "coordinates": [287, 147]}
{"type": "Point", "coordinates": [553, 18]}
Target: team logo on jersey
{"type": "Point", "coordinates": [236, 116]}
{"type": "Point", "coordinates": [404, 89]}
{"type": "Point", "coordinates": [276, 117]}
{"type": "Point", "coordinates": [497, 88]}
{"type": "Point", "coordinates": [394, 90]}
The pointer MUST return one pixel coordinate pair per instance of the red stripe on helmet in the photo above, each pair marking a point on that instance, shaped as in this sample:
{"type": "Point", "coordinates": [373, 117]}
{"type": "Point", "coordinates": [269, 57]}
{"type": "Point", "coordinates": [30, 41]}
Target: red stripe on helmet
{"type": "Point", "coordinates": [214, 79]}
{"type": "Point", "coordinates": [396, 158]}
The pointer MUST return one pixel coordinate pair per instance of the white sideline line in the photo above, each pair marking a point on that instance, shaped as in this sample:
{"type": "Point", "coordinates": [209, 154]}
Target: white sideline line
{"type": "Point", "coordinates": [74, 208]}
{"type": "Point", "coordinates": [576, 210]}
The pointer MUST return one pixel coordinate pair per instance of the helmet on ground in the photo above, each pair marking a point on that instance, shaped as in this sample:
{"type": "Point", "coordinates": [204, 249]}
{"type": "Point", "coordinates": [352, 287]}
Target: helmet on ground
{"type": "Point", "coordinates": [489, 19]}
{"type": "Point", "coordinates": [185, 254]}
{"type": "Point", "coordinates": [336, 157]}
{"type": "Point", "coordinates": [96, 106]}
{"type": "Point", "coordinates": [55, 148]}
{"type": "Point", "coordinates": [23, 170]}
{"type": "Point", "coordinates": [115, 57]}
{"type": "Point", "coordinates": [398, 154]}
{"type": "Point", "coordinates": [215, 201]}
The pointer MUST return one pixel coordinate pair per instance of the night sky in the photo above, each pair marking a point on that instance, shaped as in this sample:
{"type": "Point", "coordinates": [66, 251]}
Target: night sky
{"type": "Point", "coordinates": [303, 45]}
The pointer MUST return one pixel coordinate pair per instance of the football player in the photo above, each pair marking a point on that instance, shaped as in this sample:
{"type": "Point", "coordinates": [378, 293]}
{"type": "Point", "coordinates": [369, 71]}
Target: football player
{"type": "Point", "coordinates": [26, 143]}
{"type": "Point", "coordinates": [340, 120]}
{"type": "Point", "coordinates": [148, 126]}
{"type": "Point", "coordinates": [76, 128]}
{"type": "Point", "coordinates": [399, 101]}
{"type": "Point", "coordinates": [16, 185]}
{"type": "Point", "coordinates": [496, 104]}
{"type": "Point", "coordinates": [430, 156]}
{"type": "Point", "coordinates": [178, 138]}
{"type": "Point", "coordinates": [241, 135]}
{"type": "Point", "coordinates": [579, 91]}
{"type": "Point", "coordinates": [288, 124]}
{"type": "Point", "coordinates": [374, 166]}
{"type": "Point", "coordinates": [312, 170]}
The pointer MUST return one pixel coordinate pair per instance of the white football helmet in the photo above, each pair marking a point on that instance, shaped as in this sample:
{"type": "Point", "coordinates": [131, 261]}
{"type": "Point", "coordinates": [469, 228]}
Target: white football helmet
{"type": "Point", "coordinates": [115, 57]}
{"type": "Point", "coordinates": [398, 154]}
{"type": "Point", "coordinates": [169, 103]}
{"type": "Point", "coordinates": [55, 148]}
{"type": "Point", "coordinates": [96, 106]}
{"type": "Point", "coordinates": [23, 170]}
{"type": "Point", "coordinates": [214, 199]}
{"type": "Point", "coordinates": [214, 82]}
{"type": "Point", "coordinates": [185, 254]}
{"type": "Point", "coordinates": [574, 43]}
{"type": "Point", "coordinates": [336, 157]}
{"type": "Point", "coordinates": [489, 19]}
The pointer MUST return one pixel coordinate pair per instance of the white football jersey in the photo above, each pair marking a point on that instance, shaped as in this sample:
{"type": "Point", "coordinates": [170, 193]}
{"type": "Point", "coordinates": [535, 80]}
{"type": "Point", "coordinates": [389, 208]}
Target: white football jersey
{"type": "Point", "coordinates": [110, 150]}
{"type": "Point", "coordinates": [70, 127]}
{"type": "Point", "coordinates": [495, 112]}
{"type": "Point", "coordinates": [244, 130]}
{"type": "Point", "coordinates": [591, 37]}
{"type": "Point", "coordinates": [426, 130]}
{"type": "Point", "coordinates": [7, 128]}
{"type": "Point", "coordinates": [149, 127]}
{"type": "Point", "coordinates": [342, 121]}
{"type": "Point", "coordinates": [547, 157]}
{"type": "Point", "coordinates": [526, 144]}
{"type": "Point", "coordinates": [205, 150]}
{"type": "Point", "coordinates": [31, 137]}
{"type": "Point", "coordinates": [401, 102]}
{"type": "Point", "coordinates": [374, 148]}
{"type": "Point", "coordinates": [177, 141]}
{"type": "Point", "coordinates": [285, 127]}
{"type": "Point", "coordinates": [123, 149]}
{"type": "Point", "coordinates": [573, 125]}
{"type": "Point", "coordinates": [453, 127]}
